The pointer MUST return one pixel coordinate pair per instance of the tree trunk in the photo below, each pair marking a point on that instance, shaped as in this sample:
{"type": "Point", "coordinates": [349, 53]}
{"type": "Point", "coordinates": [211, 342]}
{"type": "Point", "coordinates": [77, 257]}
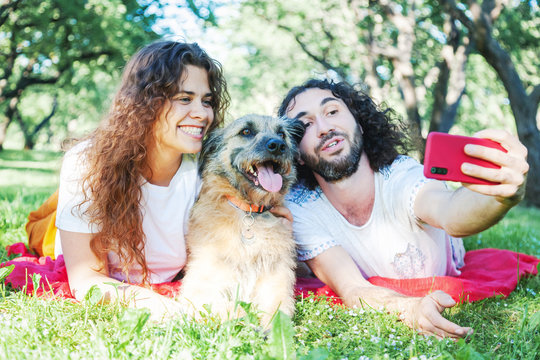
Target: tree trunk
{"type": "Point", "coordinates": [524, 106]}
{"type": "Point", "coordinates": [450, 86]}
{"type": "Point", "coordinates": [10, 112]}
{"type": "Point", "coordinates": [401, 57]}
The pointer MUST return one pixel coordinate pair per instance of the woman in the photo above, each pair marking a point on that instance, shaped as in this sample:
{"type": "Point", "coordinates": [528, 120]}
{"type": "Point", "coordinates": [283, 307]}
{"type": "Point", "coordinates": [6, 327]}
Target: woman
{"type": "Point", "coordinates": [125, 192]}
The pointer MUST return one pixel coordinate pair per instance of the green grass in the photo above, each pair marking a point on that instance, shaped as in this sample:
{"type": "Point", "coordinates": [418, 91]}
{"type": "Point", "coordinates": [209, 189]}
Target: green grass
{"type": "Point", "coordinates": [37, 328]}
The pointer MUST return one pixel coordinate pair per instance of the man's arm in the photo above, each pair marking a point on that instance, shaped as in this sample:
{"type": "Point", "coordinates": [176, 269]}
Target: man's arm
{"type": "Point", "coordinates": [473, 208]}
{"type": "Point", "coordinates": [337, 269]}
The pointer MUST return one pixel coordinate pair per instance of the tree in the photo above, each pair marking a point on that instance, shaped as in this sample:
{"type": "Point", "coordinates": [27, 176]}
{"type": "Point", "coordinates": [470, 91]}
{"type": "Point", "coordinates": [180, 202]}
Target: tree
{"type": "Point", "coordinates": [479, 21]}
{"type": "Point", "coordinates": [397, 51]}
{"type": "Point", "coordinates": [411, 55]}
{"type": "Point", "coordinates": [43, 44]}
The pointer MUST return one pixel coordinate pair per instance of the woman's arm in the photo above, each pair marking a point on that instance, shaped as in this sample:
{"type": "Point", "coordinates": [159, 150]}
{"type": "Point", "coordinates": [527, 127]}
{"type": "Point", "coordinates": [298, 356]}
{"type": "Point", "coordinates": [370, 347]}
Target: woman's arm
{"type": "Point", "coordinates": [83, 273]}
{"type": "Point", "coordinates": [337, 269]}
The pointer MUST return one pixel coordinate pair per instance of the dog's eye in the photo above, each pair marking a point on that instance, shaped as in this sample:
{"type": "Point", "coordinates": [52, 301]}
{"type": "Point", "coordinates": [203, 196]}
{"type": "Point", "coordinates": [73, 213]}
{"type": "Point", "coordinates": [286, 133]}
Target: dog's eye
{"type": "Point", "coordinates": [246, 132]}
{"type": "Point", "coordinates": [281, 134]}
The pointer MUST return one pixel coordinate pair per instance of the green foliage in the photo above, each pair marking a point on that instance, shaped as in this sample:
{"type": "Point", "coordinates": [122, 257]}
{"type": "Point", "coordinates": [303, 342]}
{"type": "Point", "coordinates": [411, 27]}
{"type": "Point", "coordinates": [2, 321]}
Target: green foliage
{"type": "Point", "coordinates": [5, 271]}
{"type": "Point", "coordinates": [69, 49]}
{"type": "Point", "coordinates": [281, 337]}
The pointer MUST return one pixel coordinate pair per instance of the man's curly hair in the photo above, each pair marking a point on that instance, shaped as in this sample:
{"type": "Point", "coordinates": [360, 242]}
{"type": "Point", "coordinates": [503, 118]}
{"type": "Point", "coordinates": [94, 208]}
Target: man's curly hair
{"type": "Point", "coordinates": [384, 137]}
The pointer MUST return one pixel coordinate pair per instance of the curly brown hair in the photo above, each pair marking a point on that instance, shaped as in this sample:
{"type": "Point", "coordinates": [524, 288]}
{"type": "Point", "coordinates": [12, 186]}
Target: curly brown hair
{"type": "Point", "coordinates": [384, 137]}
{"type": "Point", "coordinates": [117, 152]}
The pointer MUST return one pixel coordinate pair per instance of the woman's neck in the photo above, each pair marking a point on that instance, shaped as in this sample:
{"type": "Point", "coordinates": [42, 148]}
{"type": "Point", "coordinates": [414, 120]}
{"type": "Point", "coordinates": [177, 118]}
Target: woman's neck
{"type": "Point", "coordinates": [163, 166]}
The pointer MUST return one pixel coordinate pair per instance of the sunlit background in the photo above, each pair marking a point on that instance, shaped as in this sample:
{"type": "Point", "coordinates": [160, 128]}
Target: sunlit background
{"type": "Point", "coordinates": [61, 61]}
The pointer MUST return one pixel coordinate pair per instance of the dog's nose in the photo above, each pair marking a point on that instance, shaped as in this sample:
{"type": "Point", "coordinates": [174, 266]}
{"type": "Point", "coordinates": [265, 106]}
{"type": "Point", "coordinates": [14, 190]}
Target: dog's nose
{"type": "Point", "coordinates": [275, 146]}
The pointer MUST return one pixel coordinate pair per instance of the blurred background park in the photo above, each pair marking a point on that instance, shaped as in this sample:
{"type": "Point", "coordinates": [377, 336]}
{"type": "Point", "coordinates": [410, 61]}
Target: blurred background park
{"type": "Point", "coordinates": [444, 65]}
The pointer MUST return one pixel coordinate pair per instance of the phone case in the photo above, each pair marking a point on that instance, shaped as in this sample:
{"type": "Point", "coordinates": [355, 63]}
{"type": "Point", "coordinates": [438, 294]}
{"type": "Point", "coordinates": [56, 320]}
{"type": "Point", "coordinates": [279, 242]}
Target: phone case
{"type": "Point", "coordinates": [444, 156]}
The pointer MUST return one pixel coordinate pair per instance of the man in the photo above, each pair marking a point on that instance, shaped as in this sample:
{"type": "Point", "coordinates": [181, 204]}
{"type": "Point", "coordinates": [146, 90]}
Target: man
{"type": "Point", "coordinates": [361, 209]}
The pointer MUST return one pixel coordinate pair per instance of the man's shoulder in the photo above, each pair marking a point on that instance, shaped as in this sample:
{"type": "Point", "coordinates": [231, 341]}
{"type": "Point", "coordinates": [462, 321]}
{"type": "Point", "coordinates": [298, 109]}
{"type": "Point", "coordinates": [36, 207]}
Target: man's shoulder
{"type": "Point", "coordinates": [400, 163]}
{"type": "Point", "coordinates": [301, 195]}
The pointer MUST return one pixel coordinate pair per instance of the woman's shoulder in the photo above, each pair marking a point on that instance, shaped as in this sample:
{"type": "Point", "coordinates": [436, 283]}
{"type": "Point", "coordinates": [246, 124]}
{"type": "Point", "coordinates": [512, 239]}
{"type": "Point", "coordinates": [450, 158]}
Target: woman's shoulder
{"type": "Point", "coordinates": [77, 150]}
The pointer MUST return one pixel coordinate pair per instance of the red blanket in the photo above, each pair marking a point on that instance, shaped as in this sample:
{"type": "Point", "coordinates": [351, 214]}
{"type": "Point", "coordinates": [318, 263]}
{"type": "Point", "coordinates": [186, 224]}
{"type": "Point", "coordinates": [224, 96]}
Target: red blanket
{"type": "Point", "coordinates": [487, 273]}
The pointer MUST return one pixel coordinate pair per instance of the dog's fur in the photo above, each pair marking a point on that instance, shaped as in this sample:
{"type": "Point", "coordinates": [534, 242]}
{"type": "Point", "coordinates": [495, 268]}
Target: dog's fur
{"type": "Point", "coordinates": [221, 267]}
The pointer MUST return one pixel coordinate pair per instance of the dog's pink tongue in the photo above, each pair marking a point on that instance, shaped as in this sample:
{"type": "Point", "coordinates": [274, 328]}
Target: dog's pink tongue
{"type": "Point", "coordinates": [269, 180]}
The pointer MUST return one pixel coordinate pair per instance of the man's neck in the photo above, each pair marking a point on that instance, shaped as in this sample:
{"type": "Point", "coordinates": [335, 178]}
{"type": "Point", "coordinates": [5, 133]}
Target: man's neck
{"type": "Point", "coordinates": [354, 196]}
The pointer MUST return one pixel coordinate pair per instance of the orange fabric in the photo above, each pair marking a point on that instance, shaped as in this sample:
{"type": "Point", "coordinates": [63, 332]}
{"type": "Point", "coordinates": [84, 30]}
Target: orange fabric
{"type": "Point", "coordinates": [41, 227]}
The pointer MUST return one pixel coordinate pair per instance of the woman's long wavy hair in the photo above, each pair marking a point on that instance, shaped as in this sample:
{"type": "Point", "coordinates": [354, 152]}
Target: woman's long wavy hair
{"type": "Point", "coordinates": [384, 137]}
{"type": "Point", "coordinates": [117, 156]}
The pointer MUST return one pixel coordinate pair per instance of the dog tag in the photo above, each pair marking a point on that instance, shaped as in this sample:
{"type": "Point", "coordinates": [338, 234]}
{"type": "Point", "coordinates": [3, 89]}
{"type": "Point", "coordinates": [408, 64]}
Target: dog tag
{"type": "Point", "coordinates": [248, 233]}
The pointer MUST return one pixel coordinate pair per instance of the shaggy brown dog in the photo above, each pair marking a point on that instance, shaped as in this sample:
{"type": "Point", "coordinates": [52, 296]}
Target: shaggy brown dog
{"type": "Point", "coordinates": [237, 250]}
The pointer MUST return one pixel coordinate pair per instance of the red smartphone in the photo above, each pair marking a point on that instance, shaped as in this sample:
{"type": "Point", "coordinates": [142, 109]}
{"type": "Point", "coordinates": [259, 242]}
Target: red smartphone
{"type": "Point", "coordinates": [444, 156]}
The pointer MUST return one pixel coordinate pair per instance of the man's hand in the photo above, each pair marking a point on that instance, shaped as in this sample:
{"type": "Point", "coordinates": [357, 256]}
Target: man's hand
{"type": "Point", "coordinates": [512, 174]}
{"type": "Point", "coordinates": [424, 315]}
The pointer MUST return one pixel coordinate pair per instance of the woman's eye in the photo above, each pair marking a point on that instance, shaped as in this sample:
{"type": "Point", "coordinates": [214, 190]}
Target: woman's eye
{"type": "Point", "coordinates": [306, 125]}
{"type": "Point", "coordinates": [207, 103]}
{"type": "Point", "coordinates": [246, 132]}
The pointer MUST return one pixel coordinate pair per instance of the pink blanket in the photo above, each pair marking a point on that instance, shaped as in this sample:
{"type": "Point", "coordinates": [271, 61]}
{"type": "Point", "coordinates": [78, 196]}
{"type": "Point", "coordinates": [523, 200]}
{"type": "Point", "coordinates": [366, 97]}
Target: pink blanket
{"type": "Point", "coordinates": [487, 273]}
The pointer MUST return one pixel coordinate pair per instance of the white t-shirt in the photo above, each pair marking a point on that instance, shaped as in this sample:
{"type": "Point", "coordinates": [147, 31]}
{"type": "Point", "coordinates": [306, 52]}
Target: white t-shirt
{"type": "Point", "coordinates": [165, 212]}
{"type": "Point", "coordinates": [392, 243]}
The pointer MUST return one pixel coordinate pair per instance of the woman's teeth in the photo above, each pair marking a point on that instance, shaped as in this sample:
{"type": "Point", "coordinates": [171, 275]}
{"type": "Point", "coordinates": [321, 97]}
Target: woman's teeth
{"type": "Point", "coordinates": [191, 130]}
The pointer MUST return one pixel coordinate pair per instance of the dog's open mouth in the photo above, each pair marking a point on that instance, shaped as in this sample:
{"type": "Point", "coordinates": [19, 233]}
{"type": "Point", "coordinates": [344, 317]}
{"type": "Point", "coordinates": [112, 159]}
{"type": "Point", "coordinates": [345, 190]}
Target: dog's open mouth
{"type": "Point", "coordinates": [266, 175]}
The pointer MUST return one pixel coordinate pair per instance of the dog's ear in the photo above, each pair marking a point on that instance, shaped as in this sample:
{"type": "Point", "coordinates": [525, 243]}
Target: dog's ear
{"type": "Point", "coordinates": [296, 128]}
{"type": "Point", "coordinates": [210, 145]}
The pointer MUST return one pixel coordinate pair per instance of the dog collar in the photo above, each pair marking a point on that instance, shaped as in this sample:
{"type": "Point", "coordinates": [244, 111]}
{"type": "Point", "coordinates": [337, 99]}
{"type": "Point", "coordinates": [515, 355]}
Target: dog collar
{"type": "Point", "coordinates": [250, 208]}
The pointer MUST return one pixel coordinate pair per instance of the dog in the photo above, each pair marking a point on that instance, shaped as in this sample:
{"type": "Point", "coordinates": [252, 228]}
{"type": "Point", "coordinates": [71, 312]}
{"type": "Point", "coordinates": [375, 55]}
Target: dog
{"type": "Point", "coordinates": [237, 249]}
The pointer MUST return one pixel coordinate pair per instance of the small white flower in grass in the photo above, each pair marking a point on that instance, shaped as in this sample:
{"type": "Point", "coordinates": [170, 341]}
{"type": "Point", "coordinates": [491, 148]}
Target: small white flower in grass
{"type": "Point", "coordinates": [375, 339]}
{"type": "Point", "coordinates": [423, 357]}
{"type": "Point", "coordinates": [317, 313]}
{"type": "Point", "coordinates": [330, 317]}
{"type": "Point", "coordinates": [355, 327]}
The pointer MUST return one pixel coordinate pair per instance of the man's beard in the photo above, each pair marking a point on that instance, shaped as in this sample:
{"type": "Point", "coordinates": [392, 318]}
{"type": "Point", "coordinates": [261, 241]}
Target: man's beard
{"type": "Point", "coordinates": [333, 171]}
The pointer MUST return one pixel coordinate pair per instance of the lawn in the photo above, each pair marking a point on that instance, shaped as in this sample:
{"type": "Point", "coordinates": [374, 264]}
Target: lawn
{"type": "Point", "coordinates": [37, 328]}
